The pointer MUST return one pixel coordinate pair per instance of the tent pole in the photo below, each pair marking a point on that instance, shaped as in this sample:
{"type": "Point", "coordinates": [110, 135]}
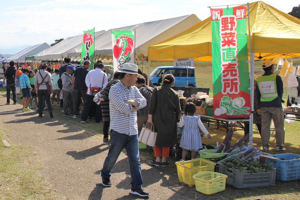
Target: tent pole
{"type": "Point", "coordinates": [252, 99]}
{"type": "Point", "coordinates": [134, 57]}
{"type": "Point", "coordinates": [148, 78]}
{"type": "Point", "coordinates": [251, 81]}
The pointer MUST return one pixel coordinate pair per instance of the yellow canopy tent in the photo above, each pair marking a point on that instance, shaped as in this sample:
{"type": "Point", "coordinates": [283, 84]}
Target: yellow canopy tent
{"type": "Point", "coordinates": [272, 32]}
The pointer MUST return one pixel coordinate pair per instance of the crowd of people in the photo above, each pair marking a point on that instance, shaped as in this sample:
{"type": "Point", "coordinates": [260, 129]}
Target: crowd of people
{"type": "Point", "coordinates": [126, 104]}
{"type": "Point", "coordinates": [66, 86]}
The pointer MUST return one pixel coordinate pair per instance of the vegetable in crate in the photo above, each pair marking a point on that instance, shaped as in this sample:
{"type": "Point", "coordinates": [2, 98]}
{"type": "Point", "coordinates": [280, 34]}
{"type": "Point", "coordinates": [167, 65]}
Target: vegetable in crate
{"type": "Point", "coordinates": [249, 154]}
{"type": "Point", "coordinates": [239, 143]}
{"type": "Point", "coordinates": [226, 141]}
{"type": "Point", "coordinates": [250, 165]}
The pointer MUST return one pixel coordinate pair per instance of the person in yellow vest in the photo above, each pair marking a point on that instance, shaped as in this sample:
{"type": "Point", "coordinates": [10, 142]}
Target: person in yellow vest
{"type": "Point", "coordinates": [270, 91]}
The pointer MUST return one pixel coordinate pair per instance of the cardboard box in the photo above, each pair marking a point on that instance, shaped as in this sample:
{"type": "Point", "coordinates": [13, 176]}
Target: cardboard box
{"type": "Point", "coordinates": [200, 110]}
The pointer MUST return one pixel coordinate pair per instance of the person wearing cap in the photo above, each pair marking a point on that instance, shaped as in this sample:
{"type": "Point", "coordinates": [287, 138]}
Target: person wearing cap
{"type": "Point", "coordinates": [43, 88]}
{"type": "Point", "coordinates": [269, 93]}
{"type": "Point", "coordinates": [67, 89]}
{"type": "Point", "coordinates": [125, 100]}
{"type": "Point", "coordinates": [95, 81]}
{"type": "Point", "coordinates": [63, 68]}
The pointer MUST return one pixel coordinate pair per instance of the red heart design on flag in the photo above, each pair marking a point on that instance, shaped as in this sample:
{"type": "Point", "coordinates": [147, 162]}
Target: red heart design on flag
{"type": "Point", "coordinates": [88, 37]}
{"type": "Point", "coordinates": [118, 48]}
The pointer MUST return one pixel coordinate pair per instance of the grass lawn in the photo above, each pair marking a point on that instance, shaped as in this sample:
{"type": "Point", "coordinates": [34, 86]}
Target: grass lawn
{"type": "Point", "coordinates": [19, 176]}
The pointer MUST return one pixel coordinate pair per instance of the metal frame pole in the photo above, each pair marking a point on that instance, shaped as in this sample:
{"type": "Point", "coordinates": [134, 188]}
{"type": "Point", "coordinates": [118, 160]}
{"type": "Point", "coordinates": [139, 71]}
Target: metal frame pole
{"type": "Point", "coordinates": [251, 81]}
{"type": "Point", "coordinates": [148, 79]}
{"type": "Point", "coordinates": [135, 57]}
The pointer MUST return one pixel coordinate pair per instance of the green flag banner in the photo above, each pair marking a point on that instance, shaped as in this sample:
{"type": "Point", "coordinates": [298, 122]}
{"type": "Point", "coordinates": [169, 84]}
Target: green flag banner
{"type": "Point", "coordinates": [123, 47]}
{"type": "Point", "coordinates": [229, 61]}
{"type": "Point", "coordinates": [88, 47]}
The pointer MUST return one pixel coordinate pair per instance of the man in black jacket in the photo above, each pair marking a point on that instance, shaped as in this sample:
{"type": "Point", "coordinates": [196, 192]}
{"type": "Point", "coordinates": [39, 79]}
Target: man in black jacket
{"type": "Point", "coordinates": [9, 77]}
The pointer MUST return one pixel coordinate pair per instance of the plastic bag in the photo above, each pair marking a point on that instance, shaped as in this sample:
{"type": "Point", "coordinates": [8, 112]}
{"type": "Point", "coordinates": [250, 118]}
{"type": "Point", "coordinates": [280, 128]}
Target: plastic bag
{"type": "Point", "coordinates": [284, 68]}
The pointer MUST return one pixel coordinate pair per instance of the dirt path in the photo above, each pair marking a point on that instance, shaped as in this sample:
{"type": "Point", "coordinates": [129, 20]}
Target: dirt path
{"type": "Point", "coordinates": [72, 158]}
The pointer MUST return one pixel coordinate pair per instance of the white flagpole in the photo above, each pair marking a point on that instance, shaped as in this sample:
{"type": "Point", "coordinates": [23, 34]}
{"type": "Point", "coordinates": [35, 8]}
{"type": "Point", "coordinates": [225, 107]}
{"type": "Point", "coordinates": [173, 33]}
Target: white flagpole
{"type": "Point", "coordinates": [251, 81]}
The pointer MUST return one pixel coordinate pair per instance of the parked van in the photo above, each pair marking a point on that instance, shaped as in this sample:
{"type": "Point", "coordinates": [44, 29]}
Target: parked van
{"type": "Point", "coordinates": [184, 76]}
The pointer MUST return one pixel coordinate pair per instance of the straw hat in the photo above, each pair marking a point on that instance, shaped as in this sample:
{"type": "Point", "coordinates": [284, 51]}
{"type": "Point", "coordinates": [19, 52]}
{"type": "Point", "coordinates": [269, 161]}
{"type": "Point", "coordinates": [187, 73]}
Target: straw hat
{"type": "Point", "coordinates": [128, 68]}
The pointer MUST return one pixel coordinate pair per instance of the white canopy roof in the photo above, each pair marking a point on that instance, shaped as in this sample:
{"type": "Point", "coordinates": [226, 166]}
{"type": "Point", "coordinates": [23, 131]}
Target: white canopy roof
{"type": "Point", "coordinates": [28, 51]}
{"type": "Point", "coordinates": [57, 51]}
{"type": "Point", "coordinates": [147, 33]}
{"type": "Point", "coordinates": [2, 58]}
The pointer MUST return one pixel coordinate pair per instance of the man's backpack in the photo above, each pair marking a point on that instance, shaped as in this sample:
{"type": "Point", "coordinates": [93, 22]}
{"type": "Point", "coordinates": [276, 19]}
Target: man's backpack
{"type": "Point", "coordinates": [59, 83]}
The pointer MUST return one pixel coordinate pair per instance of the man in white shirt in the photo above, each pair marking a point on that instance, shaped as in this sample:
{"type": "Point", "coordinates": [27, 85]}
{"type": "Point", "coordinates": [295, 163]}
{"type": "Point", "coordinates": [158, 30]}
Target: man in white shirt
{"type": "Point", "coordinates": [95, 81]}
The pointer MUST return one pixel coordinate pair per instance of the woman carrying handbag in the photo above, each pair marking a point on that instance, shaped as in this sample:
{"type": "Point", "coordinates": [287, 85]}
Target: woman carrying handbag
{"type": "Point", "coordinates": [164, 112]}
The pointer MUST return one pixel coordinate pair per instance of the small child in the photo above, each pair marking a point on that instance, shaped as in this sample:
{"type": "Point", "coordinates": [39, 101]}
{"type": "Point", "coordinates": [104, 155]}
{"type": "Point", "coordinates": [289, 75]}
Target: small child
{"type": "Point", "coordinates": [191, 138]}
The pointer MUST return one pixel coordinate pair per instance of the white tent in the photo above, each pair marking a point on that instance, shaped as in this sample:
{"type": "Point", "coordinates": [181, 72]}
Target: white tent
{"type": "Point", "coordinates": [58, 51]}
{"type": "Point", "coordinates": [2, 58]}
{"type": "Point", "coordinates": [28, 51]}
{"type": "Point", "coordinates": [147, 33]}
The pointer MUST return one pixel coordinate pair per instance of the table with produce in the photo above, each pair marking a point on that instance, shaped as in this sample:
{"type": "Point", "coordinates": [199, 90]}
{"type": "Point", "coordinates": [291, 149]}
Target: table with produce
{"type": "Point", "coordinates": [236, 164]}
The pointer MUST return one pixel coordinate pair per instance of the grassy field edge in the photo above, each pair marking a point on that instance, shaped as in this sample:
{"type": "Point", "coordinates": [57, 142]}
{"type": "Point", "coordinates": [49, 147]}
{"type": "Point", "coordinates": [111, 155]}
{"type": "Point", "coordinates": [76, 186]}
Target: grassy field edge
{"type": "Point", "coordinates": [20, 176]}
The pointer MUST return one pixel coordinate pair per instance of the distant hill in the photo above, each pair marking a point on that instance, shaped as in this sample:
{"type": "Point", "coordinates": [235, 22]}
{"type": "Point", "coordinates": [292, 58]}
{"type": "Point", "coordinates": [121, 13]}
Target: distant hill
{"type": "Point", "coordinates": [12, 51]}
{"type": "Point", "coordinates": [8, 55]}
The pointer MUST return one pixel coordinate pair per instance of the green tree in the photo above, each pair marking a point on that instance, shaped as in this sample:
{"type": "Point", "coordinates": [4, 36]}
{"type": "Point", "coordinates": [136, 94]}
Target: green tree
{"type": "Point", "coordinates": [295, 12]}
{"type": "Point", "coordinates": [57, 41]}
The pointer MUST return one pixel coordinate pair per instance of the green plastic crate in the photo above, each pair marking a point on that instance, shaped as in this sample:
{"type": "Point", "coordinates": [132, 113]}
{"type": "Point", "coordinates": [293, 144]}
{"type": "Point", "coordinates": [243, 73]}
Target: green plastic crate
{"type": "Point", "coordinates": [142, 146]}
{"type": "Point", "coordinates": [210, 111]}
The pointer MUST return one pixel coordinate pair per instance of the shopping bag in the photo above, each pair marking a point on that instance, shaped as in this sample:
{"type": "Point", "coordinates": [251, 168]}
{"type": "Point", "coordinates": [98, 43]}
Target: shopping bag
{"type": "Point", "coordinates": [148, 135]}
{"type": "Point", "coordinates": [97, 98]}
{"type": "Point", "coordinates": [18, 90]}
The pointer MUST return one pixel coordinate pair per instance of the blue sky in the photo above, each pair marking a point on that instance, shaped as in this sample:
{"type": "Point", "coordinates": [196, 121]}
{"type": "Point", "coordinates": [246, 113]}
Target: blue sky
{"type": "Point", "coordinates": [29, 22]}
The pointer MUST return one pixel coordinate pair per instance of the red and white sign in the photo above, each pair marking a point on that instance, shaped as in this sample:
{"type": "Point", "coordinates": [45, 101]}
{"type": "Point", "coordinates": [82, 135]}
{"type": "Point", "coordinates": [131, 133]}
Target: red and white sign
{"type": "Point", "coordinates": [216, 14]}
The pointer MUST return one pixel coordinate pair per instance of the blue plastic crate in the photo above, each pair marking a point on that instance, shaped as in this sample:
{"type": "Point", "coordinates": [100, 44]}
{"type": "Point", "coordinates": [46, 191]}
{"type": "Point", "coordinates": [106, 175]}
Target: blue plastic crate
{"type": "Point", "coordinates": [287, 166]}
